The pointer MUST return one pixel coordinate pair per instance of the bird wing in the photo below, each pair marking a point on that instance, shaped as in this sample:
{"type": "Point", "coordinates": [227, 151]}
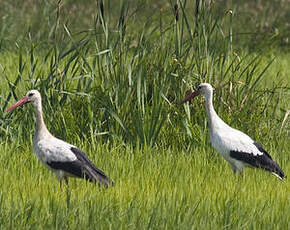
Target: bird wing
{"type": "Point", "coordinates": [235, 140]}
{"type": "Point", "coordinates": [243, 148]}
{"type": "Point", "coordinates": [54, 149]}
{"type": "Point", "coordinates": [90, 169]}
{"type": "Point", "coordinates": [60, 155]}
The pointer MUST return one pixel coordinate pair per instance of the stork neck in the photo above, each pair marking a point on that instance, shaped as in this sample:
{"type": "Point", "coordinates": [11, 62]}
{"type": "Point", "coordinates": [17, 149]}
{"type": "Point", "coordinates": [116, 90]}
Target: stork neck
{"type": "Point", "coordinates": [41, 129]}
{"type": "Point", "coordinates": [214, 120]}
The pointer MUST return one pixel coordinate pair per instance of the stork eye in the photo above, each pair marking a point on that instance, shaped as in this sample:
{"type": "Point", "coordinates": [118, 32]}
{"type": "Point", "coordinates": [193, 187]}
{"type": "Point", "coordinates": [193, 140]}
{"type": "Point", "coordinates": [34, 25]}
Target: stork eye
{"type": "Point", "coordinates": [30, 95]}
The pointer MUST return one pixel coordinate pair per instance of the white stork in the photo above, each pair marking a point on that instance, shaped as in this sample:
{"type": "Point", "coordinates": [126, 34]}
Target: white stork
{"type": "Point", "coordinates": [64, 159]}
{"type": "Point", "coordinates": [238, 149]}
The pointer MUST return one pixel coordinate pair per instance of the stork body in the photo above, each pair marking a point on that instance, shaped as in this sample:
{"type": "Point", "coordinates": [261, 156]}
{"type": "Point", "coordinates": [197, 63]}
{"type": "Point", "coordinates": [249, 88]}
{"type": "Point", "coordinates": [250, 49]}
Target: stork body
{"type": "Point", "coordinates": [238, 149]}
{"type": "Point", "coordinates": [64, 159]}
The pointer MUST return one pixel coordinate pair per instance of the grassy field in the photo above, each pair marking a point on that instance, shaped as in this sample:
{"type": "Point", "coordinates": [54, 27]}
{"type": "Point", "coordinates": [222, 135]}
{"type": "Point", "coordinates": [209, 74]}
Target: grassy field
{"type": "Point", "coordinates": [111, 82]}
{"type": "Point", "coordinates": [156, 189]}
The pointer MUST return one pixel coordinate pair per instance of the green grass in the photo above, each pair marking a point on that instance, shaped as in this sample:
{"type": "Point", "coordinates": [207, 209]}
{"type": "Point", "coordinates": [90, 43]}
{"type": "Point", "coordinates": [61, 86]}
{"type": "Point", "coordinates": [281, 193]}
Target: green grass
{"type": "Point", "coordinates": [154, 189]}
{"type": "Point", "coordinates": [112, 86]}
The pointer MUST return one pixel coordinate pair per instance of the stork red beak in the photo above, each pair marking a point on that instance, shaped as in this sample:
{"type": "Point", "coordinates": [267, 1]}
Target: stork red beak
{"type": "Point", "coordinates": [22, 101]}
{"type": "Point", "coordinates": [190, 96]}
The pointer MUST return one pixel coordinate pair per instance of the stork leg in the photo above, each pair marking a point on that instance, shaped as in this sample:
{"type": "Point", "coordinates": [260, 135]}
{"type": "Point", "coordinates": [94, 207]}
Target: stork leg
{"type": "Point", "coordinates": [65, 180]}
{"type": "Point", "coordinates": [60, 184]}
{"type": "Point", "coordinates": [241, 174]}
{"type": "Point", "coordinates": [237, 172]}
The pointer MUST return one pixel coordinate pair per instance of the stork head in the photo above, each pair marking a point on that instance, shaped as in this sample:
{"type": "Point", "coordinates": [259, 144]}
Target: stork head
{"type": "Point", "coordinates": [32, 96]}
{"type": "Point", "coordinates": [204, 88]}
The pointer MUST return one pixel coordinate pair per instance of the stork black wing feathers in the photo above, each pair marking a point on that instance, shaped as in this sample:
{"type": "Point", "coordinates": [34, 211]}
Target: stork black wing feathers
{"type": "Point", "coordinates": [82, 167]}
{"type": "Point", "coordinates": [71, 167]}
{"type": "Point", "coordinates": [263, 161]}
{"type": "Point", "coordinates": [90, 169]}
{"type": "Point", "coordinates": [83, 158]}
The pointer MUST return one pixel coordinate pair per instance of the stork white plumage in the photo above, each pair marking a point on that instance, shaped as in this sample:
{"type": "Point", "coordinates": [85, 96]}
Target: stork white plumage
{"type": "Point", "coordinates": [238, 149]}
{"type": "Point", "coordinates": [64, 159]}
